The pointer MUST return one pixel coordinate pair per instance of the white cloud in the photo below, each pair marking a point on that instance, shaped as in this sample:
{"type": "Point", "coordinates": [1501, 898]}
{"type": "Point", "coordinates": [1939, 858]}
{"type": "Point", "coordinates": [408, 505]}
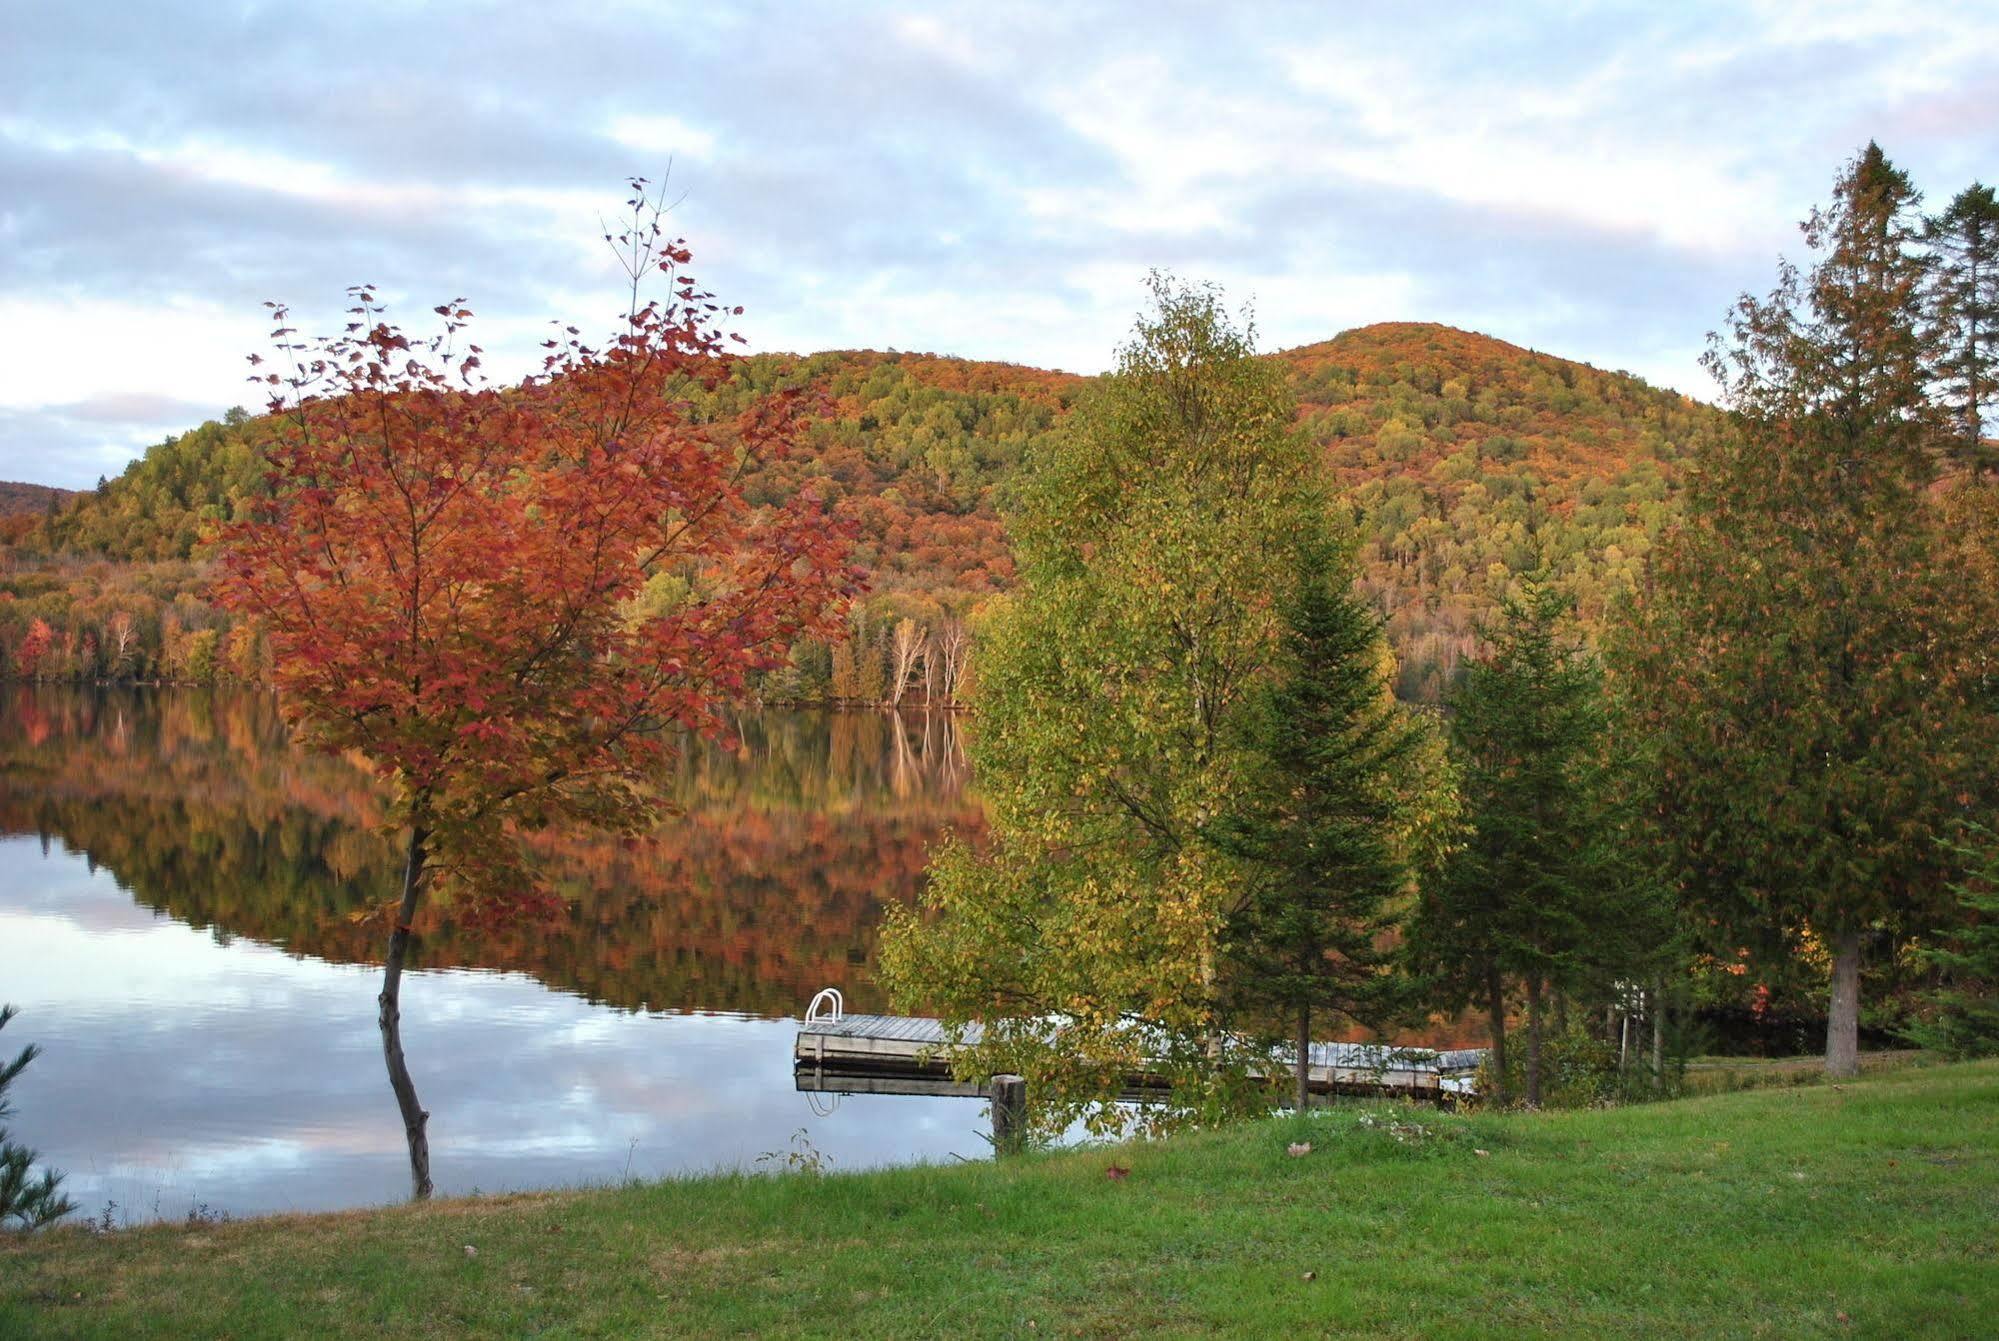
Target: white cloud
{"type": "Point", "coordinates": [1595, 180]}
{"type": "Point", "coordinates": [85, 347]}
{"type": "Point", "coordinates": [661, 135]}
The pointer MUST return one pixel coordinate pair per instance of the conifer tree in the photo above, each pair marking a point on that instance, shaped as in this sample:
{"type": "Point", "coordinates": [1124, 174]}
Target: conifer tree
{"type": "Point", "coordinates": [1964, 1018]}
{"type": "Point", "coordinates": [1801, 657]}
{"type": "Point", "coordinates": [1320, 826]}
{"type": "Point", "coordinates": [1964, 298]}
{"type": "Point", "coordinates": [1538, 898]}
{"type": "Point", "coordinates": [28, 1201]}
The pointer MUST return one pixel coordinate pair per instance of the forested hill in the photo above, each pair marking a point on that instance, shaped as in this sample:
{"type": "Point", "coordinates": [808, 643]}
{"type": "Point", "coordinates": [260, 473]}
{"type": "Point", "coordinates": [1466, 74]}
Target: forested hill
{"type": "Point", "coordinates": [1468, 459]}
{"type": "Point", "coordinates": [1472, 460]}
{"type": "Point", "coordinates": [30, 500]}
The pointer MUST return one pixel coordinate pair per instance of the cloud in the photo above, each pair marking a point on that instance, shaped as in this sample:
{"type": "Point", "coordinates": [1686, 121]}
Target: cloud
{"type": "Point", "coordinates": [661, 136]}
{"type": "Point", "coordinates": [1594, 180]}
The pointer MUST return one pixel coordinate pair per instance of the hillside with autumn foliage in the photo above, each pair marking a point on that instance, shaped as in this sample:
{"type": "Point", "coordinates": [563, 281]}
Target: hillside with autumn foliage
{"type": "Point", "coordinates": [1466, 460]}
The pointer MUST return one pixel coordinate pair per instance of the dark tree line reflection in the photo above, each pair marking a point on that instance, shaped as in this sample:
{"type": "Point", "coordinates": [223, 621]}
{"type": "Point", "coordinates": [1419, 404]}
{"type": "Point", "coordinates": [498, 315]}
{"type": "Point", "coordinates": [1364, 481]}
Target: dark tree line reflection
{"type": "Point", "coordinates": [766, 885]}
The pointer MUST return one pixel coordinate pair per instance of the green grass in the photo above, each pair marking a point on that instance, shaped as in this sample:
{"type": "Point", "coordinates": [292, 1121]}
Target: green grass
{"type": "Point", "coordinates": [1721, 1075]}
{"type": "Point", "coordinates": [1866, 1209]}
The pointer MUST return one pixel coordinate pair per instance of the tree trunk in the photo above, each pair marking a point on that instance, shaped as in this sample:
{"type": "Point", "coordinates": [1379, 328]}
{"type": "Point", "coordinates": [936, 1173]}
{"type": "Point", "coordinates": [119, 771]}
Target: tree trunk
{"type": "Point", "coordinates": [1304, 1056]}
{"type": "Point", "coordinates": [1495, 1004]}
{"type": "Point", "coordinates": [1533, 1041]}
{"type": "Point", "coordinates": [1658, 1010]}
{"type": "Point", "coordinates": [1842, 1026]}
{"type": "Point", "coordinates": [414, 1118]}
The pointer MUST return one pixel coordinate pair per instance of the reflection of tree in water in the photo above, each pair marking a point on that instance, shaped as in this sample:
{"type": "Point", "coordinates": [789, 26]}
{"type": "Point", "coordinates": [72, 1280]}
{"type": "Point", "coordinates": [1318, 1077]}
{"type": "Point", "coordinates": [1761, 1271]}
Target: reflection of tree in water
{"type": "Point", "coordinates": [766, 886]}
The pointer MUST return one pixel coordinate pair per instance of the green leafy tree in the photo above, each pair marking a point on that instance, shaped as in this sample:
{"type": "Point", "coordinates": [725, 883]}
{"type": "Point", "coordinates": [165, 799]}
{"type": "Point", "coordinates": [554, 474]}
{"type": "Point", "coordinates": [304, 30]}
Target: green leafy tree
{"type": "Point", "coordinates": [28, 1201]}
{"type": "Point", "coordinates": [1159, 538]}
{"type": "Point", "coordinates": [1804, 659]}
{"type": "Point", "coordinates": [1964, 241]}
{"type": "Point", "coordinates": [1323, 823]}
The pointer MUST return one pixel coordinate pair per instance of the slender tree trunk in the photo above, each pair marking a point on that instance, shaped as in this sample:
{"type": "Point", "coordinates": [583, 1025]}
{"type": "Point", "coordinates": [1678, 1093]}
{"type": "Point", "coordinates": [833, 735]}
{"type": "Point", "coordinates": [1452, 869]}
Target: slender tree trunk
{"type": "Point", "coordinates": [1658, 1008]}
{"type": "Point", "coordinates": [1842, 1028]}
{"type": "Point", "coordinates": [1495, 1005]}
{"type": "Point", "coordinates": [414, 1118]}
{"type": "Point", "coordinates": [1304, 1055]}
{"type": "Point", "coordinates": [1533, 1041]}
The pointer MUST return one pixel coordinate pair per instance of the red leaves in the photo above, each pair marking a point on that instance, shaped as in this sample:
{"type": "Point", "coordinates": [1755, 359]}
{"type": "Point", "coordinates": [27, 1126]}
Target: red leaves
{"type": "Point", "coordinates": [34, 646]}
{"type": "Point", "coordinates": [455, 580]}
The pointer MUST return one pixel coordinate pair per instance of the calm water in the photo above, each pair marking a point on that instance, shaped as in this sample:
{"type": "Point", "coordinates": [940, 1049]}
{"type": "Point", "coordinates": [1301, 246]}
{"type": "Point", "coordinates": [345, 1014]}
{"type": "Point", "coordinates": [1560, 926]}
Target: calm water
{"type": "Point", "coordinates": [176, 892]}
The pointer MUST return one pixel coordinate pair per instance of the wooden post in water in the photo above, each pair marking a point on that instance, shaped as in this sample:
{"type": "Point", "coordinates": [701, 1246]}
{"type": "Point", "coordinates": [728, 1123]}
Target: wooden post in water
{"type": "Point", "coordinates": [1009, 1114]}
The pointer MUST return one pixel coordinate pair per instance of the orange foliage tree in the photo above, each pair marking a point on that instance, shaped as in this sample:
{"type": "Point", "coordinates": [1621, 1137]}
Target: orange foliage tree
{"type": "Point", "coordinates": [504, 598]}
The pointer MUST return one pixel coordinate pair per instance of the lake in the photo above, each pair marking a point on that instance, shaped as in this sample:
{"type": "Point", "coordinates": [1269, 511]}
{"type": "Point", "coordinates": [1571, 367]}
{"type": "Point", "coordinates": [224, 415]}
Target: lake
{"type": "Point", "coordinates": [179, 891]}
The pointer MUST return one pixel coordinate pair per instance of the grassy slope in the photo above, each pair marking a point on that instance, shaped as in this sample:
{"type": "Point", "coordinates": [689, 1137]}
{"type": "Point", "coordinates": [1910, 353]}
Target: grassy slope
{"type": "Point", "coordinates": [1868, 1209]}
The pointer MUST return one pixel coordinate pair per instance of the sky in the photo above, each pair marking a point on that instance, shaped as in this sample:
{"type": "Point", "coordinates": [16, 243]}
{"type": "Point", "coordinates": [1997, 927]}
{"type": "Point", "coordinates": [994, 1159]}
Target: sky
{"type": "Point", "coordinates": [986, 180]}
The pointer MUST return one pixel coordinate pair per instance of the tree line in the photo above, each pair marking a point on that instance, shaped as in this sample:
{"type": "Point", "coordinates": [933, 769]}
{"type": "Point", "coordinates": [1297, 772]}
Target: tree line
{"type": "Point", "coordinates": [1212, 824]}
{"type": "Point", "coordinates": [1469, 461]}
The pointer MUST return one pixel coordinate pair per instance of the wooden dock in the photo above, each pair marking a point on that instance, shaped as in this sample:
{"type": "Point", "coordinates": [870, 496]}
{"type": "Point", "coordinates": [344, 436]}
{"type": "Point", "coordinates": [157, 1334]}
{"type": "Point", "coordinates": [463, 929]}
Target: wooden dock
{"type": "Point", "coordinates": [839, 1053]}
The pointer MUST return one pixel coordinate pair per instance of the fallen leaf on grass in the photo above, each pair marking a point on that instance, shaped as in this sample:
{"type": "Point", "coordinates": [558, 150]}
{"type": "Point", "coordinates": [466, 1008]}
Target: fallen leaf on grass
{"type": "Point", "coordinates": [1298, 1149]}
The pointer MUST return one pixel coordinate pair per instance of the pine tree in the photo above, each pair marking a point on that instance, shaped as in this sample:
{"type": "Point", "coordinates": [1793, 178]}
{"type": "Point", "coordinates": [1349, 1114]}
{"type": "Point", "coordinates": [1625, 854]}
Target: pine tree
{"type": "Point", "coordinates": [28, 1201]}
{"type": "Point", "coordinates": [1964, 1018]}
{"type": "Point", "coordinates": [1964, 302]}
{"type": "Point", "coordinates": [1538, 898]}
{"type": "Point", "coordinates": [1320, 828]}
{"type": "Point", "coordinates": [1801, 652]}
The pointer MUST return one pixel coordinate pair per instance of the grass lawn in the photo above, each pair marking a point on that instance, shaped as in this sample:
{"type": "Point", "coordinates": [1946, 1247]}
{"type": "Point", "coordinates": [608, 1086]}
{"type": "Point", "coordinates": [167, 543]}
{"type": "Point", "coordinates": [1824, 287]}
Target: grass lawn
{"type": "Point", "coordinates": [1868, 1209]}
{"type": "Point", "coordinates": [1719, 1075]}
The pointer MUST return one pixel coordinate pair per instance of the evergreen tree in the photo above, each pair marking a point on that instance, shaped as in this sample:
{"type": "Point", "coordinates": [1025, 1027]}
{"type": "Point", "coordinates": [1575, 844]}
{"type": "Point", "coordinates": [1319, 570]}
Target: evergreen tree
{"type": "Point", "coordinates": [1965, 1011]}
{"type": "Point", "coordinates": [1319, 828]}
{"type": "Point", "coordinates": [1539, 898]}
{"type": "Point", "coordinates": [1802, 654]}
{"type": "Point", "coordinates": [1964, 296]}
{"type": "Point", "coordinates": [28, 1201]}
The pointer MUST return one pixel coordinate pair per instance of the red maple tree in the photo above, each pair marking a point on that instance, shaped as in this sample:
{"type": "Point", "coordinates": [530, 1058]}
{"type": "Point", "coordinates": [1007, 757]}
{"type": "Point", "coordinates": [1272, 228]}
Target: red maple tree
{"type": "Point", "coordinates": [508, 599]}
{"type": "Point", "coordinates": [34, 646]}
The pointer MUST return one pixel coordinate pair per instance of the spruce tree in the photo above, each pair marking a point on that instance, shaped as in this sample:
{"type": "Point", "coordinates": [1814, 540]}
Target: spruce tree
{"type": "Point", "coordinates": [1964, 303]}
{"type": "Point", "coordinates": [1801, 654]}
{"type": "Point", "coordinates": [1539, 898]}
{"type": "Point", "coordinates": [1963, 1020]}
{"type": "Point", "coordinates": [1319, 830]}
{"type": "Point", "coordinates": [28, 1201]}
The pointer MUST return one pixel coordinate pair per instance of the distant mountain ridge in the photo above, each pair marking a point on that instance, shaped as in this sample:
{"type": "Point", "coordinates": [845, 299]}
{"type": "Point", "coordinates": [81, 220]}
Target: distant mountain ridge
{"type": "Point", "coordinates": [1468, 461]}
{"type": "Point", "coordinates": [18, 499]}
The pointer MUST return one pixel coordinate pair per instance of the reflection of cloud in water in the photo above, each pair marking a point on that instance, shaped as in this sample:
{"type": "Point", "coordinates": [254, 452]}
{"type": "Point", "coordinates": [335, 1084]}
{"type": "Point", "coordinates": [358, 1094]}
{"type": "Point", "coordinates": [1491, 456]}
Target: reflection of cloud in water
{"type": "Point", "coordinates": [179, 1070]}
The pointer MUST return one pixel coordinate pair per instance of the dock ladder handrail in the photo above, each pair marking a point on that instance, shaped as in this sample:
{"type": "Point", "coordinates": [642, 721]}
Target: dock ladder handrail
{"type": "Point", "coordinates": [828, 996]}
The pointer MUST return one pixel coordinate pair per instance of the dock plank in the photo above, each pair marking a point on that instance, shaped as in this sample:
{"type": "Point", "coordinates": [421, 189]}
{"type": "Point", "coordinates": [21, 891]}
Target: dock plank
{"type": "Point", "coordinates": [916, 1048]}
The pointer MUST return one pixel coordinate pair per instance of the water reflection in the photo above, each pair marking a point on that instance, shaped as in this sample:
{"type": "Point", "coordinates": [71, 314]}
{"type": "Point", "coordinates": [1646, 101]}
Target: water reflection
{"type": "Point", "coordinates": [176, 927]}
{"type": "Point", "coordinates": [766, 887]}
